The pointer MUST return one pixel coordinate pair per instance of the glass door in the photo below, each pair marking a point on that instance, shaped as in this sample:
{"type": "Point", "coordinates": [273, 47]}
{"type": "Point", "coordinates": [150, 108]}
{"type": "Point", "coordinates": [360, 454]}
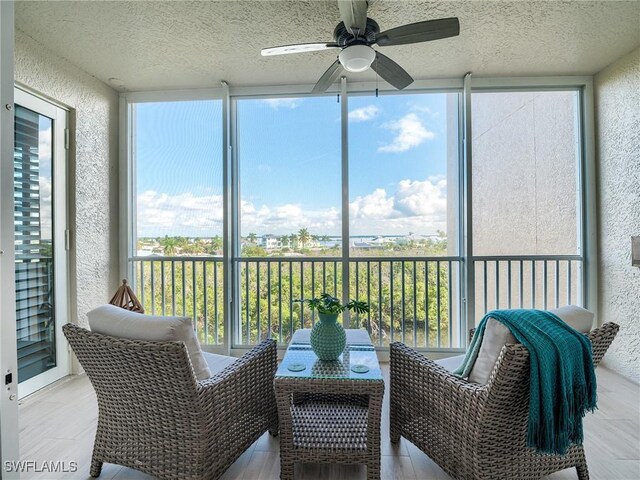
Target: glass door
{"type": "Point", "coordinates": [40, 253]}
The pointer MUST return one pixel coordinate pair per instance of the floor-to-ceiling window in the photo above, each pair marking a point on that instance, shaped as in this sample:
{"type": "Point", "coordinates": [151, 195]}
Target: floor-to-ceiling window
{"type": "Point", "coordinates": [390, 232]}
{"type": "Point", "coordinates": [403, 216]}
{"type": "Point", "coordinates": [177, 215]}
{"type": "Point", "coordinates": [289, 238]}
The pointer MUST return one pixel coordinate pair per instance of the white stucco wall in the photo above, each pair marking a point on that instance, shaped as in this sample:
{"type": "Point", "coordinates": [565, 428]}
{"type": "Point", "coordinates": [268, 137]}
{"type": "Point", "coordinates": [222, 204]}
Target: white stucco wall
{"type": "Point", "coordinates": [617, 96]}
{"type": "Point", "coordinates": [524, 173]}
{"type": "Point", "coordinates": [93, 169]}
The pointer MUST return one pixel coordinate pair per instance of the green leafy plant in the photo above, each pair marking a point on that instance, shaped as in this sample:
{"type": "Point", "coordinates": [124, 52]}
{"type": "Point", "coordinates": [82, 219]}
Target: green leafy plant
{"type": "Point", "coordinates": [326, 303]}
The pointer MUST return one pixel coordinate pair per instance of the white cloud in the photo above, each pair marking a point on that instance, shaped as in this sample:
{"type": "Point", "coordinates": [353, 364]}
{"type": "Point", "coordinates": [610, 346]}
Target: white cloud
{"type": "Point", "coordinates": [414, 206]}
{"type": "Point", "coordinates": [190, 215]}
{"type": "Point", "coordinates": [288, 218]}
{"type": "Point", "coordinates": [375, 205]}
{"type": "Point", "coordinates": [411, 206]}
{"type": "Point", "coordinates": [422, 198]}
{"type": "Point", "coordinates": [410, 133]}
{"type": "Point", "coordinates": [183, 214]}
{"type": "Point", "coordinates": [425, 109]}
{"type": "Point", "coordinates": [44, 151]}
{"type": "Point", "coordinates": [277, 103]}
{"type": "Point", "coordinates": [45, 207]}
{"type": "Point", "coordinates": [364, 114]}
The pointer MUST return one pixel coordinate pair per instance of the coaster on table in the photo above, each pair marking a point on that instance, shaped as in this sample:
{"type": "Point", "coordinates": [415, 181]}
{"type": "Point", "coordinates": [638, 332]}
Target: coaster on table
{"type": "Point", "coordinates": [360, 369]}
{"type": "Point", "coordinates": [297, 367]}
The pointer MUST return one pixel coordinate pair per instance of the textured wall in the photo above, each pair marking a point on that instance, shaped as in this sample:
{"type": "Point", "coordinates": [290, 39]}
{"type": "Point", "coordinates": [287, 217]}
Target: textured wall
{"type": "Point", "coordinates": [617, 90]}
{"type": "Point", "coordinates": [524, 173]}
{"type": "Point", "coordinates": [524, 196]}
{"type": "Point", "coordinates": [186, 44]}
{"type": "Point", "coordinates": [93, 168]}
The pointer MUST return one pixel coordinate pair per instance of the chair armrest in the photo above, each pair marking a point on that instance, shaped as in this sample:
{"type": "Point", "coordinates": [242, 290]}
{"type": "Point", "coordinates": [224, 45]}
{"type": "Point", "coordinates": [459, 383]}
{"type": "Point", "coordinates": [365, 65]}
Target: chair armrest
{"type": "Point", "coordinates": [601, 338]}
{"type": "Point", "coordinates": [239, 402]}
{"type": "Point", "coordinates": [263, 355]}
{"type": "Point", "coordinates": [424, 393]}
{"type": "Point", "coordinates": [411, 369]}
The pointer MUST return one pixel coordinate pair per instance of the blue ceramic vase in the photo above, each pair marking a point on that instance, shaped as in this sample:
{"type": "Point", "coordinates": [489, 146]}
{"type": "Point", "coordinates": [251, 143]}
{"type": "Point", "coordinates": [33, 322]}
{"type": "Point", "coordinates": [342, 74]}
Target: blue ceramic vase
{"type": "Point", "coordinates": [328, 338]}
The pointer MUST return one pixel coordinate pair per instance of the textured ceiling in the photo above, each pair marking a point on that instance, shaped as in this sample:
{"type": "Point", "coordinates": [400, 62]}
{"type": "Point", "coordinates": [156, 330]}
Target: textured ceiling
{"type": "Point", "coordinates": [161, 45]}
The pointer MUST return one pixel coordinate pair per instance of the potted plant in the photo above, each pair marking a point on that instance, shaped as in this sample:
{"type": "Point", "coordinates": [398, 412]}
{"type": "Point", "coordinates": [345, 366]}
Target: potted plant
{"type": "Point", "coordinates": [328, 338]}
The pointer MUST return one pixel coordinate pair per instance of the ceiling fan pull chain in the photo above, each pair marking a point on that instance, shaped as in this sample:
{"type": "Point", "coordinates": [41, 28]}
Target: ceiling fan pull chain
{"type": "Point", "coordinates": [376, 76]}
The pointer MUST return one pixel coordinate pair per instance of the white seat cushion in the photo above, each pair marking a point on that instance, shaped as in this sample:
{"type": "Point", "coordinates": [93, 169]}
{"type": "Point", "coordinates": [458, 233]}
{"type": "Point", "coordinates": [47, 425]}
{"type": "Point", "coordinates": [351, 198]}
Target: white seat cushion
{"type": "Point", "coordinates": [354, 336]}
{"type": "Point", "coordinates": [497, 336]}
{"type": "Point", "coordinates": [118, 322]}
{"type": "Point", "coordinates": [217, 363]}
{"type": "Point", "coordinates": [450, 363]}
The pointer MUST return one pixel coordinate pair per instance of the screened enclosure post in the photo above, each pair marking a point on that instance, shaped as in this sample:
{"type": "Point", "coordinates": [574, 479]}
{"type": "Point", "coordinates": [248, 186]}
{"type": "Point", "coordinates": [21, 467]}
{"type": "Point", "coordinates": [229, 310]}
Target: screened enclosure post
{"type": "Point", "coordinates": [468, 318]}
{"type": "Point", "coordinates": [344, 118]}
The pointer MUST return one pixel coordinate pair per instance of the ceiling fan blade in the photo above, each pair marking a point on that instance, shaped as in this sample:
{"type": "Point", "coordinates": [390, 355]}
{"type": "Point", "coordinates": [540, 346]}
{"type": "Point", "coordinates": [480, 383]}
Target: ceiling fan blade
{"type": "Point", "coordinates": [298, 48]}
{"type": "Point", "coordinates": [328, 77]}
{"type": "Point", "coordinates": [391, 72]}
{"type": "Point", "coordinates": [354, 15]}
{"type": "Point", "coordinates": [419, 32]}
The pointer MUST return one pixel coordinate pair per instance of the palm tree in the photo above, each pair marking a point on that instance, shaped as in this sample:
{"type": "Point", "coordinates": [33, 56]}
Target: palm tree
{"type": "Point", "coordinates": [252, 237]}
{"type": "Point", "coordinates": [303, 236]}
{"type": "Point", "coordinates": [216, 243]}
{"type": "Point", "coordinates": [168, 245]}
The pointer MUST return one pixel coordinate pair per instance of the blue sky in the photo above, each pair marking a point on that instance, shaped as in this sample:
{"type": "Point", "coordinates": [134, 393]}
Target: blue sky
{"type": "Point", "coordinates": [289, 154]}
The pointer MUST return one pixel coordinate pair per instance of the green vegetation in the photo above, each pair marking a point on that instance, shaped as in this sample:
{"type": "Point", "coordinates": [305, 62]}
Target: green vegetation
{"type": "Point", "coordinates": [269, 291]}
{"type": "Point", "coordinates": [295, 244]}
{"type": "Point", "coordinates": [328, 304]}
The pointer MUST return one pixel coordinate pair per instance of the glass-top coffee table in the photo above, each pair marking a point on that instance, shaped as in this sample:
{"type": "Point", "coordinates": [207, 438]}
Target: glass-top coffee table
{"type": "Point", "coordinates": [329, 411]}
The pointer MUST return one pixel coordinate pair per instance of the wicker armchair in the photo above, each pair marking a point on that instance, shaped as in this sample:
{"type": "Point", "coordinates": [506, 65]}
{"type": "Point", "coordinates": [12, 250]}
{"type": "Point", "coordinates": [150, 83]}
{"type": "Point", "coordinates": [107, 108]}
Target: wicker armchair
{"type": "Point", "coordinates": [154, 416]}
{"type": "Point", "coordinates": [477, 431]}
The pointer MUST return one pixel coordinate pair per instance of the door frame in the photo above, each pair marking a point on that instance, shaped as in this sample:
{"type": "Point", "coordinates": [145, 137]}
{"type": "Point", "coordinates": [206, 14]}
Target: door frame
{"type": "Point", "coordinates": [9, 431]}
{"type": "Point", "coordinates": [59, 163]}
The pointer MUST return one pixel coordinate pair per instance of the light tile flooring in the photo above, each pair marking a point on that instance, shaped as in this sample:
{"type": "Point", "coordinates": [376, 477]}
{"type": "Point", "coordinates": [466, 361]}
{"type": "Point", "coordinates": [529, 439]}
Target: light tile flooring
{"type": "Point", "coordinates": [58, 424]}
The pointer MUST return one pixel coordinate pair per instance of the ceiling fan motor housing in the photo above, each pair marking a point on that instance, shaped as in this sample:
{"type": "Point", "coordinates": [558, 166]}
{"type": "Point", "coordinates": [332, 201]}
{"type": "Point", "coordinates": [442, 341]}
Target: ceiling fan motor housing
{"type": "Point", "coordinates": [368, 37]}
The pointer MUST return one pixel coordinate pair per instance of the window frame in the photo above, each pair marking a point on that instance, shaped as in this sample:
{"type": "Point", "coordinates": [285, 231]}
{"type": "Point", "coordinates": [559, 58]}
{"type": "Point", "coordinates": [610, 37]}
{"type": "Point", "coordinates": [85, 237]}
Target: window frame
{"type": "Point", "coordinates": [585, 169]}
{"type": "Point", "coordinates": [464, 86]}
{"type": "Point", "coordinates": [127, 183]}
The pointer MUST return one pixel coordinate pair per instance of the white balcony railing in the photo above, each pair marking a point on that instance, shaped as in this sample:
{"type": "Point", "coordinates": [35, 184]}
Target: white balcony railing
{"type": "Point", "coordinates": [415, 300]}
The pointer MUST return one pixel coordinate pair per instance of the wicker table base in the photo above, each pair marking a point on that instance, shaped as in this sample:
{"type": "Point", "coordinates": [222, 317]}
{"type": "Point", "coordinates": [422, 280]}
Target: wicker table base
{"type": "Point", "coordinates": [329, 414]}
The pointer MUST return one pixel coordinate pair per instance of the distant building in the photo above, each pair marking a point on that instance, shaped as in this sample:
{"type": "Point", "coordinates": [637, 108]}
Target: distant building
{"type": "Point", "coordinates": [270, 242]}
{"type": "Point", "coordinates": [382, 241]}
{"type": "Point", "coordinates": [411, 238]}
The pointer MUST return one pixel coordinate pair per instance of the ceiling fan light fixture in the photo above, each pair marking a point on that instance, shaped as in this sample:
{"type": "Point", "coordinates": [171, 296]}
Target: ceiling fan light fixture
{"type": "Point", "coordinates": [357, 58]}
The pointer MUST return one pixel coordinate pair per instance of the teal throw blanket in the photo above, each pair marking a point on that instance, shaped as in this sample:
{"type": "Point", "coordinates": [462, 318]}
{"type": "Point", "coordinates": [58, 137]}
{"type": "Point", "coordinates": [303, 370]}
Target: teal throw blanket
{"type": "Point", "coordinates": [562, 377]}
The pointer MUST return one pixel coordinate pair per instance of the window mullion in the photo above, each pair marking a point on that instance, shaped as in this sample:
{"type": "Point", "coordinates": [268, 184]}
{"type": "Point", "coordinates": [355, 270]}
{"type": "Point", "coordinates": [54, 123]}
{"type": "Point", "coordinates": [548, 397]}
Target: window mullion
{"type": "Point", "coordinates": [344, 117]}
{"type": "Point", "coordinates": [468, 313]}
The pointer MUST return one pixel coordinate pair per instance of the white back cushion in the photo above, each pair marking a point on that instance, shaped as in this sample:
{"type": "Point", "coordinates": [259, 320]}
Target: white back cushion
{"type": "Point", "coordinates": [579, 318]}
{"type": "Point", "coordinates": [118, 322]}
{"type": "Point", "coordinates": [497, 336]}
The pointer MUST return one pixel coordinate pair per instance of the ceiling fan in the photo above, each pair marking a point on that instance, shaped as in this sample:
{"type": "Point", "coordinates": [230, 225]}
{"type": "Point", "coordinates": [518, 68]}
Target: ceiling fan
{"type": "Point", "coordinates": [356, 34]}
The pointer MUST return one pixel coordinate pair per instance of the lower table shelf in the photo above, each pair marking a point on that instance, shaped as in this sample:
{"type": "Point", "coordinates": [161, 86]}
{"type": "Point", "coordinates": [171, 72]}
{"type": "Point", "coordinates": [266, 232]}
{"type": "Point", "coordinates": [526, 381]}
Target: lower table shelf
{"type": "Point", "coordinates": [329, 426]}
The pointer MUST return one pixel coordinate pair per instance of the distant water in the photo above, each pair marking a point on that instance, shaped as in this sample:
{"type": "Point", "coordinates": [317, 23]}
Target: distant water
{"type": "Point", "coordinates": [353, 238]}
